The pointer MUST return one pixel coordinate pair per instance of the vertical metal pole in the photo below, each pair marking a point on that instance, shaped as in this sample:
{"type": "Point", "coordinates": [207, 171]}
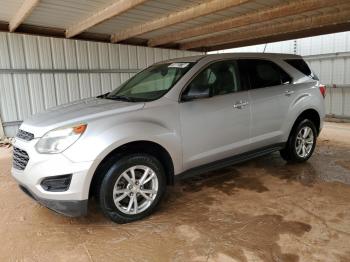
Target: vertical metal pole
{"type": "Point", "coordinates": [2, 133]}
{"type": "Point", "coordinates": [295, 47]}
{"type": "Point", "coordinates": [343, 101]}
{"type": "Point", "coordinates": [265, 48]}
{"type": "Point", "coordinates": [331, 101]}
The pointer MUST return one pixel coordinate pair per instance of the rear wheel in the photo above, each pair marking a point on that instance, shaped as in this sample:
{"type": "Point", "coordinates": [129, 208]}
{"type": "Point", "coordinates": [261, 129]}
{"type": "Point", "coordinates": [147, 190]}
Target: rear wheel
{"type": "Point", "coordinates": [301, 142]}
{"type": "Point", "coordinates": [132, 188]}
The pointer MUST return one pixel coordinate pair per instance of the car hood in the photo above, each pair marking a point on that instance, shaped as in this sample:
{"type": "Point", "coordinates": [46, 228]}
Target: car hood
{"type": "Point", "coordinates": [75, 112]}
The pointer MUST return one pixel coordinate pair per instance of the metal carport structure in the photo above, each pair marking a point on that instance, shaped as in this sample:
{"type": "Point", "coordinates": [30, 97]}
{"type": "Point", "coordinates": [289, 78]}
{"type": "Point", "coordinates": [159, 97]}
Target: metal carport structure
{"type": "Point", "coordinates": [179, 24]}
{"type": "Point", "coordinates": [124, 36]}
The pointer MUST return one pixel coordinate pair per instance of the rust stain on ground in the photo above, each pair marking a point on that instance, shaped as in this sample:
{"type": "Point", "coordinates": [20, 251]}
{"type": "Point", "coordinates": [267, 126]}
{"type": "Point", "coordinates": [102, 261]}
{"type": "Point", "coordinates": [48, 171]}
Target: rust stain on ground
{"type": "Point", "coordinates": [261, 210]}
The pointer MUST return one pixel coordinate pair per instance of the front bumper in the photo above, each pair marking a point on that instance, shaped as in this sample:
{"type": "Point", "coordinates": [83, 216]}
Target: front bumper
{"type": "Point", "coordinates": [73, 201]}
{"type": "Point", "coordinates": [71, 208]}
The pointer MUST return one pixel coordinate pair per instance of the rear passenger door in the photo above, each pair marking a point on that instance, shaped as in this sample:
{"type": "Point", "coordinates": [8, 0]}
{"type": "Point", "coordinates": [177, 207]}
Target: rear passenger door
{"type": "Point", "coordinates": [268, 90]}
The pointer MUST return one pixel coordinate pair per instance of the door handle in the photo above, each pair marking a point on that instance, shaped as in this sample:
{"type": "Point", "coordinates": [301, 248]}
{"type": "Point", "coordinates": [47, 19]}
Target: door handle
{"type": "Point", "coordinates": [240, 104]}
{"type": "Point", "coordinates": [289, 92]}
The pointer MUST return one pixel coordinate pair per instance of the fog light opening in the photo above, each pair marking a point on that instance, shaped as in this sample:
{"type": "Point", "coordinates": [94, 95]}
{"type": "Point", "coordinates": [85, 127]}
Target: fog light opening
{"type": "Point", "coordinates": [56, 183]}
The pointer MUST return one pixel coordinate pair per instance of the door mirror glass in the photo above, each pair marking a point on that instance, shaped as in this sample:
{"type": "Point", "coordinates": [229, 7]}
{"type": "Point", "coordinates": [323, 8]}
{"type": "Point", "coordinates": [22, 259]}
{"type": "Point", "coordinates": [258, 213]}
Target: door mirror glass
{"type": "Point", "coordinates": [196, 92]}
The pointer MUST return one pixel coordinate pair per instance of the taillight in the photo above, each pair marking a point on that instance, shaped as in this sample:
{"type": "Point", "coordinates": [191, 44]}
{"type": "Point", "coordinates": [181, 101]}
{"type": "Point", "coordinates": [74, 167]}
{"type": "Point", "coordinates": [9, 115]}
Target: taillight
{"type": "Point", "coordinates": [323, 90]}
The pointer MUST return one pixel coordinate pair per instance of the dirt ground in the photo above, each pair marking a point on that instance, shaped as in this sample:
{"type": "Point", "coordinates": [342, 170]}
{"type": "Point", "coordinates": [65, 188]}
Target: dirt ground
{"type": "Point", "coordinates": [261, 210]}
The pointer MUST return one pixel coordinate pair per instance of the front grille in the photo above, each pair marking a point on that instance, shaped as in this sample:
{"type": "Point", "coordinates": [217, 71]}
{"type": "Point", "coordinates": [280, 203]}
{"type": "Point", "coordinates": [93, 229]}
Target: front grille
{"type": "Point", "coordinates": [20, 158]}
{"type": "Point", "coordinates": [25, 135]}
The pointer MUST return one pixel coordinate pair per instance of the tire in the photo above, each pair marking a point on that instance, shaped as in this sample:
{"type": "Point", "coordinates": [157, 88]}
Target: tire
{"type": "Point", "coordinates": [119, 190]}
{"type": "Point", "coordinates": [295, 151]}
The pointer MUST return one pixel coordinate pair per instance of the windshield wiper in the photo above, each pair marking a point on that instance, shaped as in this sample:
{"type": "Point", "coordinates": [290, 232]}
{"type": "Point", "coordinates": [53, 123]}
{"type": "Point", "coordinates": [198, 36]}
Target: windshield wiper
{"type": "Point", "coordinates": [121, 98]}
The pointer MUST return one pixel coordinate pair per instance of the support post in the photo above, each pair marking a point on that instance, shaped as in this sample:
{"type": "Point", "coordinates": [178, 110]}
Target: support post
{"type": "Point", "coordinates": [2, 133]}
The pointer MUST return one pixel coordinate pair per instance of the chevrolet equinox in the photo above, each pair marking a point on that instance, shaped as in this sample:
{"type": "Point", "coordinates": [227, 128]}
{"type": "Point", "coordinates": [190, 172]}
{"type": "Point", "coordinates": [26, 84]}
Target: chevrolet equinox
{"type": "Point", "coordinates": [178, 117]}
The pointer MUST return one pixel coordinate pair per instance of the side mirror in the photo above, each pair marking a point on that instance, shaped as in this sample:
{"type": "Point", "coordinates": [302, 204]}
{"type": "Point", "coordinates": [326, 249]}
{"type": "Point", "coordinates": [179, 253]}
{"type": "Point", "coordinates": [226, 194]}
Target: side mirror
{"type": "Point", "coordinates": [190, 97]}
{"type": "Point", "coordinates": [196, 92]}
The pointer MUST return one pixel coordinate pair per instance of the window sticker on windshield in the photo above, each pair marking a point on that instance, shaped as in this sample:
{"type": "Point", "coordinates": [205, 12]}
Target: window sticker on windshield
{"type": "Point", "coordinates": [178, 65]}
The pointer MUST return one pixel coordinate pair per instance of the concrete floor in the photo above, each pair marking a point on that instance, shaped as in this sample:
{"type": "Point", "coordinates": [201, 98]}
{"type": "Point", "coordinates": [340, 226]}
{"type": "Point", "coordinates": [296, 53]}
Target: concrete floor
{"type": "Point", "coordinates": [261, 210]}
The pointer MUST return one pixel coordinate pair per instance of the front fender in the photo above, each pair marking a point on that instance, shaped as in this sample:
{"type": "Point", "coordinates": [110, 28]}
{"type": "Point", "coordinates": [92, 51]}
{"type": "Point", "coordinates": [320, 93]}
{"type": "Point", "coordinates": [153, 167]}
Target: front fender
{"type": "Point", "coordinates": [96, 147]}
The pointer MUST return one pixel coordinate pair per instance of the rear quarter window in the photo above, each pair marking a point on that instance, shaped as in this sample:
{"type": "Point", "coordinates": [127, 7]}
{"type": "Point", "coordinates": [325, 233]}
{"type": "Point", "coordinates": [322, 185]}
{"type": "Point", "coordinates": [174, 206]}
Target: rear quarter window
{"type": "Point", "coordinates": [302, 66]}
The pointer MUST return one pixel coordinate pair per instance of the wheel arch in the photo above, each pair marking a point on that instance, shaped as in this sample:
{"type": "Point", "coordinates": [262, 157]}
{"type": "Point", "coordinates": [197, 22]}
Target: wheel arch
{"type": "Point", "coordinates": [309, 113]}
{"type": "Point", "coordinates": [312, 115]}
{"type": "Point", "coordinates": [140, 146]}
{"type": "Point", "coordinates": [287, 152]}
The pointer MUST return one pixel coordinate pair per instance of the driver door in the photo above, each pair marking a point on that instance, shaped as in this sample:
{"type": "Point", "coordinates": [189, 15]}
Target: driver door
{"type": "Point", "coordinates": [215, 117]}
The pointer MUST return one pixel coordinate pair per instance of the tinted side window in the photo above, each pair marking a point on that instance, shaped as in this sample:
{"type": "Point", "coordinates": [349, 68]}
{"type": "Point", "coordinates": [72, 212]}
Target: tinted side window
{"type": "Point", "coordinates": [302, 66]}
{"type": "Point", "coordinates": [217, 79]}
{"type": "Point", "coordinates": [263, 73]}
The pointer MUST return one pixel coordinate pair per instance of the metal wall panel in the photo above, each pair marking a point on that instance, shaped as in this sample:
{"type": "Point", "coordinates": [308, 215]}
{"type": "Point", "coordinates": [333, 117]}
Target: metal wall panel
{"type": "Point", "coordinates": [8, 102]}
{"type": "Point", "coordinates": [83, 63]}
{"type": "Point", "coordinates": [114, 63]}
{"type": "Point", "coordinates": [336, 98]}
{"type": "Point", "coordinates": [328, 101]}
{"type": "Point", "coordinates": [338, 101]}
{"type": "Point", "coordinates": [34, 81]}
{"type": "Point", "coordinates": [346, 103]}
{"type": "Point", "coordinates": [71, 63]}
{"type": "Point", "coordinates": [277, 47]}
{"type": "Point", "coordinates": [324, 44]}
{"type": "Point", "coordinates": [87, 69]}
{"type": "Point", "coordinates": [329, 57]}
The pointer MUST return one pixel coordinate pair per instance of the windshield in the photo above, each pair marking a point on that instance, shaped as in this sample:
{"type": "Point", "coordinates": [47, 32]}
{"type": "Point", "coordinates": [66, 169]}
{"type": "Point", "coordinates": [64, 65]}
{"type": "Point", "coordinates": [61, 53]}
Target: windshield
{"type": "Point", "coordinates": [151, 83]}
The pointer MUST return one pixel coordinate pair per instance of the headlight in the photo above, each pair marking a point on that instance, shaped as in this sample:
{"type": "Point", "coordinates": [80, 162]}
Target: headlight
{"type": "Point", "coordinates": [58, 140]}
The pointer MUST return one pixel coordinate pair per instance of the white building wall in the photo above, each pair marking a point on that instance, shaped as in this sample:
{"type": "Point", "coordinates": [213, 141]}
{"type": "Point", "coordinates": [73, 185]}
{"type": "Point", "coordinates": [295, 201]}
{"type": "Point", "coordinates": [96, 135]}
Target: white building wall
{"type": "Point", "coordinates": [37, 73]}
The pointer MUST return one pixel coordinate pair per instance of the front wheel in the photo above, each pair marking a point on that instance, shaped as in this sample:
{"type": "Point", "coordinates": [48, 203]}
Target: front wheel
{"type": "Point", "coordinates": [132, 188]}
{"type": "Point", "coordinates": [301, 143]}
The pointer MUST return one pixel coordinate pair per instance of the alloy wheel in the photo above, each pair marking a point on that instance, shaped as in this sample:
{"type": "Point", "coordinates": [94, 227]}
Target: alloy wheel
{"type": "Point", "coordinates": [135, 189]}
{"type": "Point", "coordinates": [304, 142]}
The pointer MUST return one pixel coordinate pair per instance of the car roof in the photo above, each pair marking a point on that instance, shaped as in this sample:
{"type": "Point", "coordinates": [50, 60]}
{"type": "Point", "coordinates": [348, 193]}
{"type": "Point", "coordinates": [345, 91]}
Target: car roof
{"type": "Point", "coordinates": [213, 57]}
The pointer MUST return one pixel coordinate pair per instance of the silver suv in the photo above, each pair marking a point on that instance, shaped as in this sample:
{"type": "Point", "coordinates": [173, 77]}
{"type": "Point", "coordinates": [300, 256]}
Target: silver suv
{"type": "Point", "coordinates": [178, 117]}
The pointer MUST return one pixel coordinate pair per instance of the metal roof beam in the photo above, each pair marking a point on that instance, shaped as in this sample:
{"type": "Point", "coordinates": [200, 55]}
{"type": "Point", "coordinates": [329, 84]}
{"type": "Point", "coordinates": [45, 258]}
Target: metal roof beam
{"type": "Point", "coordinates": [23, 12]}
{"type": "Point", "coordinates": [117, 8]}
{"type": "Point", "coordinates": [177, 17]}
{"type": "Point", "coordinates": [308, 32]}
{"type": "Point", "coordinates": [271, 30]}
{"type": "Point", "coordinates": [282, 10]}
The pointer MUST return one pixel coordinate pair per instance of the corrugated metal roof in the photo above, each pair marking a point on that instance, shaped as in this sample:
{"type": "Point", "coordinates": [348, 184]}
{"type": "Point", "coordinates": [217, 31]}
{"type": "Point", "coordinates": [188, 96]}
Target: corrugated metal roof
{"type": "Point", "coordinates": [150, 10]}
{"type": "Point", "coordinates": [63, 14]}
{"type": "Point", "coordinates": [9, 8]}
{"type": "Point", "coordinates": [143, 13]}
